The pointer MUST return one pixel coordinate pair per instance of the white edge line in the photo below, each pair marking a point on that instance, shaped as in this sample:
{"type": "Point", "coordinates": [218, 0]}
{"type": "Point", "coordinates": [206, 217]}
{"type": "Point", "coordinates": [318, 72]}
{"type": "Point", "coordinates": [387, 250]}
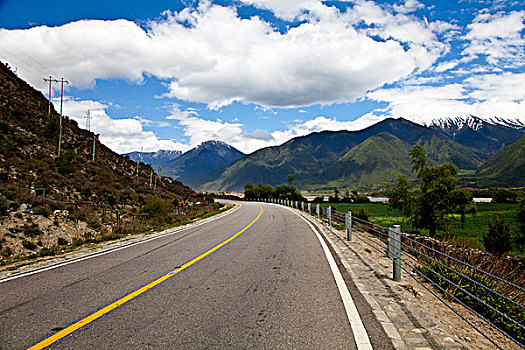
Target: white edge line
{"type": "Point", "coordinates": [360, 334]}
{"type": "Point", "coordinates": [111, 250]}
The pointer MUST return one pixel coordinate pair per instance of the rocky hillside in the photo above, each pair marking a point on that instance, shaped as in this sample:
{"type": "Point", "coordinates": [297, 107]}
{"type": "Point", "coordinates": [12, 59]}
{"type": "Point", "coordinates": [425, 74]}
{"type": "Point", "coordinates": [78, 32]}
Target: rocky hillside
{"type": "Point", "coordinates": [110, 195]}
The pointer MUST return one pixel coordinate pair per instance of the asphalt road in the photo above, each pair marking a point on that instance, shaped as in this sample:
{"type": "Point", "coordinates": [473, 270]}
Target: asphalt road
{"type": "Point", "coordinates": [269, 288]}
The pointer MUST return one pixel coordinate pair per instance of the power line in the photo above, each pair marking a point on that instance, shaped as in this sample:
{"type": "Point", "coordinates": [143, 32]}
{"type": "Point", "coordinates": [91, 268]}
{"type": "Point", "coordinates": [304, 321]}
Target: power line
{"type": "Point", "coordinates": [41, 67]}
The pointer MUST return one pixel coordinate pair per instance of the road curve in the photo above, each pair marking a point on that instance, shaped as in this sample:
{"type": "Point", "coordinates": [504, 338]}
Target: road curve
{"type": "Point", "coordinates": [265, 286]}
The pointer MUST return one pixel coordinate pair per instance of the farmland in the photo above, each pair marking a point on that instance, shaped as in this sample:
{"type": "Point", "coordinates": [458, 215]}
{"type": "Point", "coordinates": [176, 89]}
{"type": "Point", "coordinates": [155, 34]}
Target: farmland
{"type": "Point", "coordinates": [472, 232]}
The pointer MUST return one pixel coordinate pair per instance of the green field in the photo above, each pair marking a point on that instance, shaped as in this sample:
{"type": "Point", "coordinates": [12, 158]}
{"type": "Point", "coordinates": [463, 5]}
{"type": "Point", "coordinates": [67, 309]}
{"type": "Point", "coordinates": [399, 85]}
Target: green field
{"type": "Point", "coordinates": [472, 233]}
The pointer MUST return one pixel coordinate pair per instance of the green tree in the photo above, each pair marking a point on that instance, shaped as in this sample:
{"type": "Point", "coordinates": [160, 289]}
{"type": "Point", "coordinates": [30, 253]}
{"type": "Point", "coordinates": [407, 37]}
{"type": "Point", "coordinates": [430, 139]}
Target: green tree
{"type": "Point", "coordinates": [400, 197]}
{"type": "Point", "coordinates": [434, 201]}
{"type": "Point", "coordinates": [290, 179]}
{"type": "Point", "coordinates": [264, 191]}
{"type": "Point", "coordinates": [335, 198]}
{"type": "Point", "coordinates": [419, 159]}
{"type": "Point", "coordinates": [497, 240]}
{"type": "Point", "coordinates": [461, 199]}
{"type": "Point", "coordinates": [519, 239]}
{"type": "Point", "coordinates": [250, 191]}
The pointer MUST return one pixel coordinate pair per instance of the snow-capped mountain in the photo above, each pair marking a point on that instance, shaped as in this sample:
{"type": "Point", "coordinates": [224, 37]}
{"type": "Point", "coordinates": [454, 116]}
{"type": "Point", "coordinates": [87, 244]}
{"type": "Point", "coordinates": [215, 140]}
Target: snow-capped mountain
{"type": "Point", "coordinates": [486, 134]}
{"type": "Point", "coordinates": [475, 123]}
{"type": "Point", "coordinates": [158, 157]}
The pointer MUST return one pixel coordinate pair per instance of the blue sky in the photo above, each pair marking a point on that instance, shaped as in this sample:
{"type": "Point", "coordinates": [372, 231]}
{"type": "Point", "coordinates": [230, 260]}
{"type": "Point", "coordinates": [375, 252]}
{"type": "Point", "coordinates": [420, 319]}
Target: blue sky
{"type": "Point", "coordinates": [255, 73]}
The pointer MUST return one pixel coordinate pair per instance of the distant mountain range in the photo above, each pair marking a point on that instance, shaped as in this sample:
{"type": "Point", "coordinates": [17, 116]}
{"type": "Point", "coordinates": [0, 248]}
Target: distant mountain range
{"type": "Point", "coordinates": [153, 158]}
{"type": "Point", "coordinates": [486, 135]}
{"type": "Point", "coordinates": [485, 151]}
{"type": "Point", "coordinates": [189, 166]}
{"type": "Point", "coordinates": [369, 157]}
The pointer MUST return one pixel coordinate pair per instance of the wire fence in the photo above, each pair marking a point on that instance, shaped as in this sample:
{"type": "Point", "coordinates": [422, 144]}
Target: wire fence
{"type": "Point", "coordinates": [474, 288]}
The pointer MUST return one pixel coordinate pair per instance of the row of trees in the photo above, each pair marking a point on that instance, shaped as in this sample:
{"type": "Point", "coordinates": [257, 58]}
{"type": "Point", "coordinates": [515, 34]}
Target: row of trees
{"type": "Point", "coordinates": [283, 191]}
{"type": "Point", "coordinates": [437, 198]}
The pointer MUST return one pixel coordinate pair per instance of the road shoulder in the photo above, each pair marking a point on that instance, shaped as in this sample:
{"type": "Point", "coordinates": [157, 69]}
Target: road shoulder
{"type": "Point", "coordinates": [407, 315]}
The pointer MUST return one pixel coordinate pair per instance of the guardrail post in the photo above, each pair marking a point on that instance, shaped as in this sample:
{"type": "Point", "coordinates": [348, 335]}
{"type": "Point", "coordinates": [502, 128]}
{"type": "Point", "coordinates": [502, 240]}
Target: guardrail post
{"type": "Point", "coordinates": [394, 249]}
{"type": "Point", "coordinates": [310, 208]}
{"type": "Point", "coordinates": [348, 226]}
{"type": "Point", "coordinates": [302, 206]}
{"type": "Point", "coordinates": [317, 211]}
{"type": "Point", "coordinates": [329, 213]}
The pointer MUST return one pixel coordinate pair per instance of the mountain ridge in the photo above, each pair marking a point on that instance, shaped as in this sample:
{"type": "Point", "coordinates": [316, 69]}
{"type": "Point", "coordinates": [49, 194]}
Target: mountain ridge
{"type": "Point", "coordinates": [206, 157]}
{"type": "Point", "coordinates": [156, 157]}
{"type": "Point", "coordinates": [309, 157]}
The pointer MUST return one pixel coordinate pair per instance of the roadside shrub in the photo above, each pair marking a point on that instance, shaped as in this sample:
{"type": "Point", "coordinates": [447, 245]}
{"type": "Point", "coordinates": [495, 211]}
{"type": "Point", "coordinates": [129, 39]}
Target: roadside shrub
{"type": "Point", "coordinates": [362, 214]}
{"type": "Point", "coordinates": [5, 252]}
{"type": "Point", "coordinates": [52, 127]}
{"type": "Point", "coordinates": [519, 239]}
{"type": "Point", "coordinates": [505, 307]}
{"type": "Point", "coordinates": [77, 242]}
{"type": "Point", "coordinates": [157, 207]}
{"type": "Point", "coordinates": [42, 211]}
{"type": "Point", "coordinates": [28, 245]}
{"type": "Point", "coordinates": [4, 208]}
{"type": "Point", "coordinates": [62, 241]}
{"type": "Point", "coordinates": [31, 231]}
{"type": "Point", "coordinates": [45, 251]}
{"type": "Point", "coordinates": [119, 230]}
{"type": "Point", "coordinates": [93, 224]}
{"type": "Point", "coordinates": [497, 240]}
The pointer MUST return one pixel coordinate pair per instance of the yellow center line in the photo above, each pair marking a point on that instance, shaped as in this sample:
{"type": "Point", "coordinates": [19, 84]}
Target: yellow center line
{"type": "Point", "coordinates": [75, 326]}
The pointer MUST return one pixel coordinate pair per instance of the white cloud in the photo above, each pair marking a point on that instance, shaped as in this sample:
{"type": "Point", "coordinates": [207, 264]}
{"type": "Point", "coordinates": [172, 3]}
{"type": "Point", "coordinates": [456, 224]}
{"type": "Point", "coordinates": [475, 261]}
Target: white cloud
{"type": "Point", "coordinates": [424, 47]}
{"type": "Point", "coordinates": [498, 37]}
{"type": "Point", "coordinates": [286, 9]}
{"type": "Point", "coordinates": [489, 95]}
{"type": "Point", "coordinates": [210, 55]}
{"type": "Point", "coordinates": [409, 6]}
{"type": "Point", "coordinates": [121, 135]}
{"type": "Point", "coordinates": [199, 130]}
{"type": "Point", "coordinates": [506, 87]}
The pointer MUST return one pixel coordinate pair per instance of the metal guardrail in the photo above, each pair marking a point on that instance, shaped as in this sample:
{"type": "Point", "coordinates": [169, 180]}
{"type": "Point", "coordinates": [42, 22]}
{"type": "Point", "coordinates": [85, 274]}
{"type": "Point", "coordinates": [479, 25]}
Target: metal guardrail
{"type": "Point", "coordinates": [409, 254]}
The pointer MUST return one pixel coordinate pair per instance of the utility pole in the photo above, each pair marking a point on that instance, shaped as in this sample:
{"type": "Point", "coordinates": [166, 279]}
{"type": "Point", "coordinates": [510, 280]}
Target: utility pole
{"type": "Point", "coordinates": [140, 155]}
{"type": "Point", "coordinates": [51, 80]}
{"type": "Point", "coordinates": [61, 98]}
{"type": "Point", "coordinates": [88, 120]}
{"type": "Point", "coordinates": [94, 142]}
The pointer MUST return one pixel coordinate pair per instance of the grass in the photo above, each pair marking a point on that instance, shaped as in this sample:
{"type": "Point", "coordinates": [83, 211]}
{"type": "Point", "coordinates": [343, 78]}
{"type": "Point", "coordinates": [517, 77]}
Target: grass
{"type": "Point", "coordinates": [472, 233]}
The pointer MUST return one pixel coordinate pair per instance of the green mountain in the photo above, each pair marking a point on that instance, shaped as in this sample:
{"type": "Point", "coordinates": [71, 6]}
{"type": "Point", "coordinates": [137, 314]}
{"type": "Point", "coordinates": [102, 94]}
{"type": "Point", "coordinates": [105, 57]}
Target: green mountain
{"type": "Point", "coordinates": [343, 158]}
{"type": "Point", "coordinates": [378, 159]}
{"type": "Point", "coordinates": [506, 168]}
